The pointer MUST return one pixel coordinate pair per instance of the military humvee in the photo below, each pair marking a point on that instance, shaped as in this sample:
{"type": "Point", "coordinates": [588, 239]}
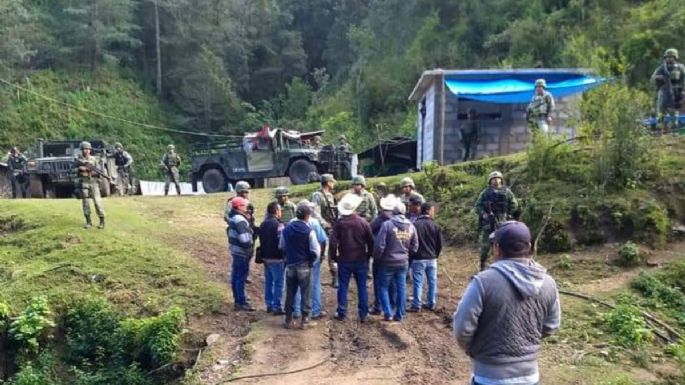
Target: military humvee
{"type": "Point", "coordinates": [269, 153]}
{"type": "Point", "coordinates": [50, 168]}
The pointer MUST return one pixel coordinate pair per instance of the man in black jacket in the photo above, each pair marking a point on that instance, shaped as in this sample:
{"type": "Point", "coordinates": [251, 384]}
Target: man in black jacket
{"type": "Point", "coordinates": [274, 263]}
{"type": "Point", "coordinates": [425, 260]}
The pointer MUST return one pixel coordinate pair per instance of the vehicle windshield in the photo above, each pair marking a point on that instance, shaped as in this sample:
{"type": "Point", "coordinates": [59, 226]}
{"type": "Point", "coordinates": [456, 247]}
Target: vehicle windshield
{"type": "Point", "coordinates": [58, 149]}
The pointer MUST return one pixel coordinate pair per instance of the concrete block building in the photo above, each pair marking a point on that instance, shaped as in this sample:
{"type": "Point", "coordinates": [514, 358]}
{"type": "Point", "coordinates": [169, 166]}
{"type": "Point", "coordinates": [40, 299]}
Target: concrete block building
{"type": "Point", "coordinates": [500, 98]}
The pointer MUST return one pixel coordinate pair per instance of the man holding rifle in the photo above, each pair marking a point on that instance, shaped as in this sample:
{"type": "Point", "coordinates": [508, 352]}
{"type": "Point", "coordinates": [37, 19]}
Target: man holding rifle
{"type": "Point", "coordinates": [325, 206]}
{"type": "Point", "coordinates": [495, 205]}
{"type": "Point", "coordinates": [669, 78]}
{"type": "Point", "coordinates": [169, 165]}
{"type": "Point", "coordinates": [86, 166]}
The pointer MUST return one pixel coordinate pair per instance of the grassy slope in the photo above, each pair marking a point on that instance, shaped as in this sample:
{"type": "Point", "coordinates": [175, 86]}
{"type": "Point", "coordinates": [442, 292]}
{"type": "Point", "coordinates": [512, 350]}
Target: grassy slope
{"type": "Point", "coordinates": [131, 262]}
{"type": "Point", "coordinates": [26, 117]}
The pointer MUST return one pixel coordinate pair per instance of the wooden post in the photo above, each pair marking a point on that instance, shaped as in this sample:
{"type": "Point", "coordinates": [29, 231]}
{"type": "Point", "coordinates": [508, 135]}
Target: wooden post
{"type": "Point", "coordinates": [441, 133]}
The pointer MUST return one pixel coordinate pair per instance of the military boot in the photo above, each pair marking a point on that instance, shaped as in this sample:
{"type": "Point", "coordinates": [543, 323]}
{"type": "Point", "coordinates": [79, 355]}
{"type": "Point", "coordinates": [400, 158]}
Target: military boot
{"type": "Point", "coordinates": [88, 224]}
{"type": "Point", "coordinates": [166, 191]}
{"type": "Point", "coordinates": [102, 223]}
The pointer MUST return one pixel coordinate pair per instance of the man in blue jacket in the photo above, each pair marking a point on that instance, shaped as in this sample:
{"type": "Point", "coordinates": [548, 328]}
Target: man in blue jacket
{"type": "Point", "coordinates": [301, 251]}
{"type": "Point", "coordinates": [506, 310]}
{"type": "Point", "coordinates": [396, 239]}
{"type": "Point", "coordinates": [241, 246]}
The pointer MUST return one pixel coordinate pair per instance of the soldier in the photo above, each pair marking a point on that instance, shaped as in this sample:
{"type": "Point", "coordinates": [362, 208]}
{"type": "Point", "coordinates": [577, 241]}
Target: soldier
{"type": "Point", "coordinates": [495, 204]}
{"type": "Point", "coordinates": [408, 190]}
{"type": "Point", "coordinates": [287, 207]}
{"type": "Point", "coordinates": [16, 162]}
{"type": "Point", "coordinates": [343, 145]}
{"type": "Point", "coordinates": [367, 209]}
{"type": "Point", "coordinates": [469, 135]}
{"type": "Point", "coordinates": [86, 167]}
{"type": "Point", "coordinates": [123, 160]}
{"type": "Point", "coordinates": [242, 189]}
{"type": "Point", "coordinates": [380, 191]}
{"type": "Point", "coordinates": [316, 142]}
{"type": "Point", "coordinates": [170, 163]}
{"type": "Point", "coordinates": [669, 78]}
{"type": "Point", "coordinates": [326, 208]}
{"type": "Point", "coordinates": [540, 108]}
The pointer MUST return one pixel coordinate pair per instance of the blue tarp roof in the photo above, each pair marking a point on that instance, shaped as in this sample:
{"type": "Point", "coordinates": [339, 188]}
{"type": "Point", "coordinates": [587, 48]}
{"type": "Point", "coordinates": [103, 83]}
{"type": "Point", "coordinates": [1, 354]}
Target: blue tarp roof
{"type": "Point", "coordinates": [507, 87]}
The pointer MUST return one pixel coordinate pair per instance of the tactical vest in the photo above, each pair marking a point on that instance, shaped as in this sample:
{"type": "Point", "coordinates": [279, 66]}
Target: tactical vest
{"type": "Point", "coordinates": [120, 158]}
{"type": "Point", "coordinates": [676, 74]}
{"type": "Point", "coordinates": [171, 160]}
{"type": "Point", "coordinates": [497, 202]}
{"type": "Point", "coordinates": [539, 105]}
{"type": "Point", "coordinates": [326, 204]}
{"type": "Point", "coordinates": [16, 163]}
{"type": "Point", "coordinates": [82, 161]}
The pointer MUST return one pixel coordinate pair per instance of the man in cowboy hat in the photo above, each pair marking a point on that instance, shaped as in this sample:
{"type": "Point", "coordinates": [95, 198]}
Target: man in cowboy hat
{"type": "Point", "coordinates": [351, 247]}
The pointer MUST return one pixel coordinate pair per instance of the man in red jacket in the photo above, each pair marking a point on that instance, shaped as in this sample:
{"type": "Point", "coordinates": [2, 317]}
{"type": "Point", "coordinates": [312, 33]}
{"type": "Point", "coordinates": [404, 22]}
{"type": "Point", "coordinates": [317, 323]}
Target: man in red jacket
{"type": "Point", "coordinates": [351, 246]}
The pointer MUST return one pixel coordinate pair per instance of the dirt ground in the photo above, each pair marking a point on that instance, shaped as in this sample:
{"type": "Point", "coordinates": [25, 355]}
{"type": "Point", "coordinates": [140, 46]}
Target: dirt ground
{"type": "Point", "coordinates": [254, 348]}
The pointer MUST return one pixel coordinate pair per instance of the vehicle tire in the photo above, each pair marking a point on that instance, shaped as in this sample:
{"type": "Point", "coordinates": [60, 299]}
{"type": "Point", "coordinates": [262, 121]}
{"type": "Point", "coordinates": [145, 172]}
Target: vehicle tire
{"type": "Point", "coordinates": [213, 181]}
{"type": "Point", "coordinates": [36, 187]}
{"type": "Point", "coordinates": [105, 189]}
{"type": "Point", "coordinates": [300, 170]}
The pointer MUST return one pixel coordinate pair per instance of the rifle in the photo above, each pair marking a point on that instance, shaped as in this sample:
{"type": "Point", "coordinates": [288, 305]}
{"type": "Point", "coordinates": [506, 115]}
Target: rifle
{"type": "Point", "coordinates": [95, 170]}
{"type": "Point", "coordinates": [492, 218]}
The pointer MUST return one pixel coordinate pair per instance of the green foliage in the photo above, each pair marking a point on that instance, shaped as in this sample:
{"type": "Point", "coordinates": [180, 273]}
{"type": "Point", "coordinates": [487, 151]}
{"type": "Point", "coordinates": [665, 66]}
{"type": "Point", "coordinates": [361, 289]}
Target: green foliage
{"type": "Point", "coordinates": [91, 327]}
{"type": "Point", "coordinates": [152, 341]}
{"type": "Point", "coordinates": [131, 375]}
{"type": "Point", "coordinates": [627, 325]}
{"type": "Point", "coordinates": [620, 380]}
{"type": "Point", "coordinates": [663, 291]}
{"type": "Point", "coordinates": [32, 325]}
{"type": "Point", "coordinates": [625, 154]}
{"type": "Point", "coordinates": [677, 350]}
{"type": "Point", "coordinates": [629, 254]}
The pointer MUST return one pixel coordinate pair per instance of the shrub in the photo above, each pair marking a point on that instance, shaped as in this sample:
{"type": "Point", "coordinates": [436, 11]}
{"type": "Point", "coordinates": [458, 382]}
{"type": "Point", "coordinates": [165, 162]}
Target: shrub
{"type": "Point", "coordinates": [90, 329]}
{"type": "Point", "coordinates": [629, 254]}
{"type": "Point", "coordinates": [32, 325]}
{"type": "Point", "coordinates": [151, 341]}
{"type": "Point", "coordinates": [678, 352]}
{"type": "Point", "coordinates": [627, 325]}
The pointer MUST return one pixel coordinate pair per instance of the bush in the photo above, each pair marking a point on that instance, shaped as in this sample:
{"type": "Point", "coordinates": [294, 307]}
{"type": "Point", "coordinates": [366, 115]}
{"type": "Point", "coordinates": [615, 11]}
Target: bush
{"type": "Point", "coordinates": [629, 254]}
{"type": "Point", "coordinates": [627, 325]}
{"type": "Point", "coordinates": [32, 325]}
{"type": "Point", "coordinates": [678, 352]}
{"type": "Point", "coordinates": [151, 341]}
{"type": "Point", "coordinates": [91, 326]}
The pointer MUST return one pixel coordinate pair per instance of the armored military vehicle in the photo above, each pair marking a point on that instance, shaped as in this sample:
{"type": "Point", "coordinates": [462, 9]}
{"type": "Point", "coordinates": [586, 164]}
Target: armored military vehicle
{"type": "Point", "coordinates": [50, 168]}
{"type": "Point", "coordinates": [269, 153]}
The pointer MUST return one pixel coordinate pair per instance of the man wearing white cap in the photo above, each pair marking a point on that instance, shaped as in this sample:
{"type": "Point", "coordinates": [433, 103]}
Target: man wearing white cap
{"type": "Point", "coordinates": [351, 247]}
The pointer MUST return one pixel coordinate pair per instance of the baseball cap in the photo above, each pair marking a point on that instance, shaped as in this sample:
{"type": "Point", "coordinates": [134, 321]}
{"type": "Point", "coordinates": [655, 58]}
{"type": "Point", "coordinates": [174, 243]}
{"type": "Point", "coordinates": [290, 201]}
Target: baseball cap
{"type": "Point", "coordinates": [239, 201]}
{"type": "Point", "coordinates": [513, 237]}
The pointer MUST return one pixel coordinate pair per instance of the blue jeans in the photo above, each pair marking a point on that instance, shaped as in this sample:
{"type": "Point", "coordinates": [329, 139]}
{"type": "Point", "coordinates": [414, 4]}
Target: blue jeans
{"type": "Point", "coordinates": [398, 276]}
{"type": "Point", "coordinates": [298, 277]}
{"type": "Point", "coordinates": [240, 268]}
{"type": "Point", "coordinates": [376, 269]}
{"type": "Point", "coordinates": [473, 382]}
{"type": "Point", "coordinates": [315, 291]}
{"type": "Point", "coordinates": [430, 267]}
{"type": "Point", "coordinates": [274, 279]}
{"type": "Point", "coordinates": [360, 271]}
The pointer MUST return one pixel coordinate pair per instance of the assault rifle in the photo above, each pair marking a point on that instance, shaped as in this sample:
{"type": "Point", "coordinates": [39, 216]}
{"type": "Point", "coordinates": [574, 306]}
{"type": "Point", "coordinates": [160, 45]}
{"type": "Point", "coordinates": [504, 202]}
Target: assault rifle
{"type": "Point", "coordinates": [492, 218]}
{"type": "Point", "coordinates": [95, 170]}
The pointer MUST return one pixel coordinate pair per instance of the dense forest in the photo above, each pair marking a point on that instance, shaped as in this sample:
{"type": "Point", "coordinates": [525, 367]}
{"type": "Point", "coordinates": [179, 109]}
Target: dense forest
{"type": "Point", "coordinates": [347, 66]}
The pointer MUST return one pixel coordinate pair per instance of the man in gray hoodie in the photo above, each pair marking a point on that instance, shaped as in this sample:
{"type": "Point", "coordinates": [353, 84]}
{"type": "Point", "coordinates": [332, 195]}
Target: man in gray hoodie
{"type": "Point", "coordinates": [506, 310]}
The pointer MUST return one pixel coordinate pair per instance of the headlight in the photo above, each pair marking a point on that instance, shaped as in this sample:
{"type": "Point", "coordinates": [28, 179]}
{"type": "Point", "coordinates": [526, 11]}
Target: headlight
{"type": "Point", "coordinates": [31, 165]}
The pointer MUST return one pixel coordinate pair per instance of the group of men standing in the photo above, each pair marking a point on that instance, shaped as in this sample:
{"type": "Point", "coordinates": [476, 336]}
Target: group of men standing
{"type": "Point", "coordinates": [294, 240]}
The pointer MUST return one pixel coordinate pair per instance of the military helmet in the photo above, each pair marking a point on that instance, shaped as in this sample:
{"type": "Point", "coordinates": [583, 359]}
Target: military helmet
{"type": "Point", "coordinates": [85, 145]}
{"type": "Point", "coordinates": [381, 185]}
{"type": "Point", "coordinates": [281, 191]}
{"type": "Point", "coordinates": [671, 52]}
{"type": "Point", "coordinates": [407, 182]}
{"type": "Point", "coordinates": [342, 137]}
{"type": "Point", "coordinates": [541, 83]}
{"type": "Point", "coordinates": [325, 178]}
{"type": "Point", "coordinates": [495, 174]}
{"type": "Point", "coordinates": [242, 186]}
{"type": "Point", "coordinates": [14, 150]}
{"type": "Point", "coordinates": [359, 180]}
{"type": "Point", "coordinates": [170, 147]}
{"type": "Point", "coordinates": [118, 145]}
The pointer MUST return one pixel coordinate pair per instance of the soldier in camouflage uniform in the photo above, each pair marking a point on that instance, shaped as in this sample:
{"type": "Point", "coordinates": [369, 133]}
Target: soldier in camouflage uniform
{"type": "Point", "coordinates": [123, 161]}
{"type": "Point", "coordinates": [367, 209]}
{"type": "Point", "coordinates": [242, 189]}
{"type": "Point", "coordinates": [287, 207]}
{"type": "Point", "coordinates": [85, 166]}
{"type": "Point", "coordinates": [408, 190]}
{"type": "Point", "coordinates": [16, 162]}
{"type": "Point", "coordinates": [343, 145]}
{"type": "Point", "coordinates": [669, 78]}
{"type": "Point", "coordinates": [495, 204]}
{"type": "Point", "coordinates": [380, 190]}
{"type": "Point", "coordinates": [326, 207]}
{"type": "Point", "coordinates": [169, 165]}
{"type": "Point", "coordinates": [540, 108]}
